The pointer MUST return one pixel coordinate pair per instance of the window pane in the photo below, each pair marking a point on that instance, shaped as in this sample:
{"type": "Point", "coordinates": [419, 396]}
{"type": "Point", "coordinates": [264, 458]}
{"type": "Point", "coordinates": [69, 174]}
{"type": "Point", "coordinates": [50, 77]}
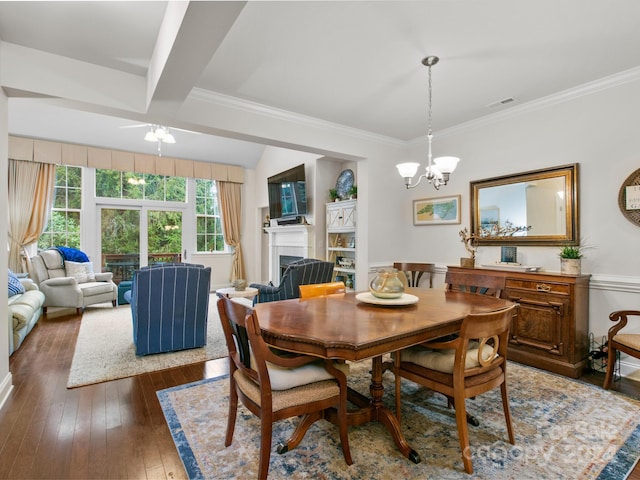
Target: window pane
{"type": "Point", "coordinates": [108, 183]}
{"type": "Point", "coordinates": [74, 177]}
{"type": "Point", "coordinates": [74, 197]}
{"type": "Point", "coordinates": [60, 198]}
{"type": "Point", "coordinates": [176, 189]}
{"type": "Point", "coordinates": [154, 187]}
{"type": "Point", "coordinates": [61, 177]}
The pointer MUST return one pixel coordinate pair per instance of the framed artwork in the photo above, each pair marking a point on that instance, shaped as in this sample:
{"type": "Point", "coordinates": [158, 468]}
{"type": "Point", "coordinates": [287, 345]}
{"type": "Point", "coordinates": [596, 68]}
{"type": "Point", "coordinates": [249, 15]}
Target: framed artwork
{"type": "Point", "coordinates": [436, 211]}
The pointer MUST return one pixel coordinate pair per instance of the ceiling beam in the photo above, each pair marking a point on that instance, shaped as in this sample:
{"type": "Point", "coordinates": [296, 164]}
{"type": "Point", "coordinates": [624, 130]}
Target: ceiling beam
{"type": "Point", "coordinates": [189, 36]}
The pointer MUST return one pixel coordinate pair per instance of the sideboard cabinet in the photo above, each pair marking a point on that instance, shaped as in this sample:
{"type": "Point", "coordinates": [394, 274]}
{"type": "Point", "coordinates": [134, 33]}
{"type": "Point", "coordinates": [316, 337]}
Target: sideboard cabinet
{"type": "Point", "coordinates": [550, 329]}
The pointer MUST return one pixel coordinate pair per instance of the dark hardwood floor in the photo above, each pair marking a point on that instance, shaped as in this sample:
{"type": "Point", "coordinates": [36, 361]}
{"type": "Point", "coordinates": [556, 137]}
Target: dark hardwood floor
{"type": "Point", "coordinates": [113, 430]}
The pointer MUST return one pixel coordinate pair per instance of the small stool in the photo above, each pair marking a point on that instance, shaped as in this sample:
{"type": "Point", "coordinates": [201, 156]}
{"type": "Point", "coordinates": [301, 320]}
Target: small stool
{"type": "Point", "coordinates": [123, 287]}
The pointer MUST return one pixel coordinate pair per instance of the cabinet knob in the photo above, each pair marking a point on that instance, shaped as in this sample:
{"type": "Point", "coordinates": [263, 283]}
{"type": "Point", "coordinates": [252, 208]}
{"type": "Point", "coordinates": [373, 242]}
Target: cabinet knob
{"type": "Point", "coordinates": [543, 287]}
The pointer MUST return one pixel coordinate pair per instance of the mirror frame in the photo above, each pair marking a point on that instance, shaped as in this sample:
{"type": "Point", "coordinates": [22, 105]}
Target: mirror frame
{"type": "Point", "coordinates": [567, 172]}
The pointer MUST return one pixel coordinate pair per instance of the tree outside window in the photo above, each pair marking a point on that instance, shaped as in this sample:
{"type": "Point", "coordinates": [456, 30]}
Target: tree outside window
{"type": "Point", "coordinates": [208, 224]}
{"type": "Point", "coordinates": [140, 186]}
{"type": "Point", "coordinates": [63, 227]}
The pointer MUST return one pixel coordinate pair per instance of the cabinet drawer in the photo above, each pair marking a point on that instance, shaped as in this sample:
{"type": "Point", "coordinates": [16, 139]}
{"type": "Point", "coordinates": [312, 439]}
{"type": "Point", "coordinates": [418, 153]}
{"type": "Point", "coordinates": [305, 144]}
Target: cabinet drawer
{"type": "Point", "coordinates": [538, 286]}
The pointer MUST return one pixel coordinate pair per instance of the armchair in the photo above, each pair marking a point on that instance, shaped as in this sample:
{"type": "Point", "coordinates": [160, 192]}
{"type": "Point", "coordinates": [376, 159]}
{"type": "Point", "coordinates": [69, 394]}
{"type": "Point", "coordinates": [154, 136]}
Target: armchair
{"type": "Point", "coordinates": [169, 307]}
{"type": "Point", "coordinates": [302, 272]}
{"type": "Point", "coordinates": [70, 284]}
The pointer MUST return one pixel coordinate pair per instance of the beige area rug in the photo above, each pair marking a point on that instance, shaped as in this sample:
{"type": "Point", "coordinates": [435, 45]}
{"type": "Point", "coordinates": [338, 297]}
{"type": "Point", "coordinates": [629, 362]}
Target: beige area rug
{"type": "Point", "coordinates": [105, 349]}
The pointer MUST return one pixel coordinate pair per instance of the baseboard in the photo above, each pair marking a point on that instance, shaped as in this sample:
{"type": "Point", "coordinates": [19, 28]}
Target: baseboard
{"type": "Point", "coordinates": [5, 388]}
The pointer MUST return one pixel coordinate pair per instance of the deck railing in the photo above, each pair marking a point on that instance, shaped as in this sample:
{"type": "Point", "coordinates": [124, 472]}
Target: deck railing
{"type": "Point", "coordinates": [122, 265]}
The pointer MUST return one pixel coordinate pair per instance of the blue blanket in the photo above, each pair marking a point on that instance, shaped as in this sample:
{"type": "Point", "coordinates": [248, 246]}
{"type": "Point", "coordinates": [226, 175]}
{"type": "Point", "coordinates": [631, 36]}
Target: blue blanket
{"type": "Point", "coordinates": [73, 254]}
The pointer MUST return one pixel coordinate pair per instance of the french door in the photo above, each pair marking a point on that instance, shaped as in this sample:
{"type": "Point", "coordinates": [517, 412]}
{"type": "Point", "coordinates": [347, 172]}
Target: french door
{"type": "Point", "coordinates": [133, 237]}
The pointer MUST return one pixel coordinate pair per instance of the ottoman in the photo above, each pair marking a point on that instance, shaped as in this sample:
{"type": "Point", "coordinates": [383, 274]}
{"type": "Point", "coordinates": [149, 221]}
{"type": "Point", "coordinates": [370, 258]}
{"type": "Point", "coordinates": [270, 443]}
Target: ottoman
{"type": "Point", "coordinates": [123, 287]}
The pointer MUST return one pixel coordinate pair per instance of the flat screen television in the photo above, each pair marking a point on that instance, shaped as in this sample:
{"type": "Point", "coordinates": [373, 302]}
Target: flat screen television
{"type": "Point", "coordinates": [287, 193]}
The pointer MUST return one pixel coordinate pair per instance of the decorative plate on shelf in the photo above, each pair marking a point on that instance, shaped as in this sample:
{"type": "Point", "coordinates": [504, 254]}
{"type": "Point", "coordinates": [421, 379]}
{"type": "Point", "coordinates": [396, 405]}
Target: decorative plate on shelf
{"type": "Point", "coordinates": [405, 299]}
{"type": "Point", "coordinates": [344, 183]}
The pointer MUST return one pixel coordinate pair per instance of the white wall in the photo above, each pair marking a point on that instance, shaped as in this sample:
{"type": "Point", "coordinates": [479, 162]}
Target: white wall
{"type": "Point", "coordinates": [600, 132]}
{"type": "Point", "coordinates": [5, 375]}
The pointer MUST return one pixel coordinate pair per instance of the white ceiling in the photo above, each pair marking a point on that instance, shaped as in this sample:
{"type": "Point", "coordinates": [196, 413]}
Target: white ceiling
{"type": "Point", "coordinates": [355, 64]}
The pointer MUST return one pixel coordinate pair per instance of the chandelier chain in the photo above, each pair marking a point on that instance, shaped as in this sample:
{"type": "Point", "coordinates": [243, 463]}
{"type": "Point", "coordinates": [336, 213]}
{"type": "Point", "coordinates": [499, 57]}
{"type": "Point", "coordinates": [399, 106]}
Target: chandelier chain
{"type": "Point", "coordinates": [429, 131]}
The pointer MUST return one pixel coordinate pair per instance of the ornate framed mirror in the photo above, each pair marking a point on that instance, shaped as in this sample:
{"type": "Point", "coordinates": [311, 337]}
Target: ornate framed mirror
{"type": "Point", "coordinates": [538, 207]}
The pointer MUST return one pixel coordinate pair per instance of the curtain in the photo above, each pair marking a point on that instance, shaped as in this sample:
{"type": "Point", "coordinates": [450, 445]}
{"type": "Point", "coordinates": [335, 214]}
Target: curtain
{"type": "Point", "coordinates": [30, 193]}
{"type": "Point", "coordinates": [230, 196]}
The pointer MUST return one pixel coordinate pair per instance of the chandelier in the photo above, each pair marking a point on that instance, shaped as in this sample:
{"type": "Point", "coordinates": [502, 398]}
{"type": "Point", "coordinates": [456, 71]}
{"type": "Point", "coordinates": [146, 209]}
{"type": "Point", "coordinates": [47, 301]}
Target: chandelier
{"type": "Point", "coordinates": [160, 134]}
{"type": "Point", "coordinates": [439, 169]}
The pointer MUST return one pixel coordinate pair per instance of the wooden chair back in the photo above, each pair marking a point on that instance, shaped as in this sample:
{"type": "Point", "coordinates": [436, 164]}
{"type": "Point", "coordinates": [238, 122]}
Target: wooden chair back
{"type": "Point", "coordinates": [415, 271]}
{"type": "Point", "coordinates": [474, 283]}
{"type": "Point", "coordinates": [321, 289]}
{"type": "Point", "coordinates": [628, 343]}
{"type": "Point", "coordinates": [491, 330]}
{"type": "Point", "coordinates": [250, 382]}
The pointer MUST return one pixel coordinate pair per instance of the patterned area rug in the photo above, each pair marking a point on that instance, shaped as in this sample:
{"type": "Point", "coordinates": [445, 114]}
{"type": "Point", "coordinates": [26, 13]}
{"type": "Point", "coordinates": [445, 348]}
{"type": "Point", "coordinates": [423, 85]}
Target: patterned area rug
{"type": "Point", "coordinates": [105, 350]}
{"type": "Point", "coordinates": [564, 430]}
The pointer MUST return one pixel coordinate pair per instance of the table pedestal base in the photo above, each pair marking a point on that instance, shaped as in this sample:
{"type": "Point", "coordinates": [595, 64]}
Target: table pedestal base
{"type": "Point", "coordinates": [372, 409]}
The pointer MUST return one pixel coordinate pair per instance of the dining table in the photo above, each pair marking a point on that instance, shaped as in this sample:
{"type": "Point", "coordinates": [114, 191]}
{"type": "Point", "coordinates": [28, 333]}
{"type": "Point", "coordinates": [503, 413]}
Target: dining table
{"type": "Point", "coordinates": [356, 326]}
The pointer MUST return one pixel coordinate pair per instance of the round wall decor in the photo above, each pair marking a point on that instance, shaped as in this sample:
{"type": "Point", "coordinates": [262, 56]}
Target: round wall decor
{"type": "Point", "coordinates": [629, 198]}
{"type": "Point", "coordinates": [344, 183]}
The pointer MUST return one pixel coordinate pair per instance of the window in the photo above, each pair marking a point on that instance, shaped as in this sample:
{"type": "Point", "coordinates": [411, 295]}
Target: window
{"type": "Point", "coordinates": [140, 186]}
{"type": "Point", "coordinates": [208, 225]}
{"type": "Point", "coordinates": [63, 228]}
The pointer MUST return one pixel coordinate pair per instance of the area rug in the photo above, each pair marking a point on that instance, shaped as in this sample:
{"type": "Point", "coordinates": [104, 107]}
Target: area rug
{"type": "Point", "coordinates": [564, 430]}
{"type": "Point", "coordinates": [105, 350]}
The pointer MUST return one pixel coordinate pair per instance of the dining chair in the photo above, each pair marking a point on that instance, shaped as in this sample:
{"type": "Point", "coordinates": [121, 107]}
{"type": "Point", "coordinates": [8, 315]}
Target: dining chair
{"type": "Point", "coordinates": [414, 272]}
{"type": "Point", "coordinates": [275, 387]}
{"type": "Point", "coordinates": [471, 364]}
{"type": "Point", "coordinates": [320, 289]}
{"type": "Point", "coordinates": [628, 343]}
{"type": "Point", "coordinates": [474, 283]}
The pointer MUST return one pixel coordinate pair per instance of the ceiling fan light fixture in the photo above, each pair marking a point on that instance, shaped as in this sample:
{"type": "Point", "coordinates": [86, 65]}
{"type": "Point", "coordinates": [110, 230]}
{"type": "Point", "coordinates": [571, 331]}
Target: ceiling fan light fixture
{"type": "Point", "coordinates": [150, 136]}
{"type": "Point", "coordinates": [169, 138]}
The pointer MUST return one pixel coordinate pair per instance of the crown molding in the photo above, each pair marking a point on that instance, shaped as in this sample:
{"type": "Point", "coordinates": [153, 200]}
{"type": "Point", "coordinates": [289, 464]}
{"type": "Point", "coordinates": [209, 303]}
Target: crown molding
{"type": "Point", "coordinates": [611, 81]}
{"type": "Point", "coordinates": [568, 95]}
{"type": "Point", "coordinates": [255, 108]}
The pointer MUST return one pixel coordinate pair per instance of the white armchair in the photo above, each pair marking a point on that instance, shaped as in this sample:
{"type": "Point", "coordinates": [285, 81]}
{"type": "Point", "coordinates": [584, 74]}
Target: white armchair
{"type": "Point", "coordinates": [70, 284]}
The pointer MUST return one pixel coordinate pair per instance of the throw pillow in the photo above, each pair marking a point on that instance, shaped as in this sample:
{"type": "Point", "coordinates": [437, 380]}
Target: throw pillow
{"type": "Point", "coordinates": [81, 271]}
{"type": "Point", "coordinates": [15, 286]}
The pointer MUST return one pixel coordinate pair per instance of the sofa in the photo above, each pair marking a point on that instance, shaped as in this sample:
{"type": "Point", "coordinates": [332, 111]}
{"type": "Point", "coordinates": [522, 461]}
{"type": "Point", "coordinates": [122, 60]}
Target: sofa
{"type": "Point", "coordinates": [70, 284]}
{"type": "Point", "coordinates": [24, 311]}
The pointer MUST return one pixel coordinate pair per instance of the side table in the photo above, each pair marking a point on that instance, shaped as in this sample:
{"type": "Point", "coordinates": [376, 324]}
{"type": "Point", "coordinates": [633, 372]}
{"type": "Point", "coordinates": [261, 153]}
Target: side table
{"type": "Point", "coordinates": [248, 293]}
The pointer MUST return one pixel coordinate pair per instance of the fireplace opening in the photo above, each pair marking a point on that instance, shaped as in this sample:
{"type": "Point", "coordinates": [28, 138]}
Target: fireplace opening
{"type": "Point", "coordinates": [285, 260]}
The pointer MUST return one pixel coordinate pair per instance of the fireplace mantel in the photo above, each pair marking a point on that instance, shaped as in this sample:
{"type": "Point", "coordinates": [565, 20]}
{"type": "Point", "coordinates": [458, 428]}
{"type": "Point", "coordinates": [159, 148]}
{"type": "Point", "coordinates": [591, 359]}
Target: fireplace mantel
{"type": "Point", "coordinates": [293, 240]}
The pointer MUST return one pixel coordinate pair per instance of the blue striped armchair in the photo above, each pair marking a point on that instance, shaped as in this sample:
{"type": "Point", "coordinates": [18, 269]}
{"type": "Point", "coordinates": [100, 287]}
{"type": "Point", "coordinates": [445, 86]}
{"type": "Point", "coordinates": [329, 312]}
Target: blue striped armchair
{"type": "Point", "coordinates": [169, 307]}
{"type": "Point", "coordinates": [302, 272]}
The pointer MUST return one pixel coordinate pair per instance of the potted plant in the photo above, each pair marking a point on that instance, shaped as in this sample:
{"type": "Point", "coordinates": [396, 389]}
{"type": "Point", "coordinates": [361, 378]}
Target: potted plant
{"type": "Point", "coordinates": [333, 195]}
{"type": "Point", "coordinates": [353, 192]}
{"type": "Point", "coordinates": [470, 242]}
{"type": "Point", "coordinates": [571, 259]}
